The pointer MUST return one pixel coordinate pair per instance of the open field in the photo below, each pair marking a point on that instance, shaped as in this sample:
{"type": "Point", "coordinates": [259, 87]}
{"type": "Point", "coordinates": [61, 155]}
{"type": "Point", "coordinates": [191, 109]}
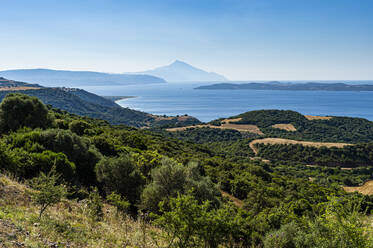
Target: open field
{"type": "Point", "coordinates": [274, 141]}
{"type": "Point", "coordinates": [226, 124]}
{"type": "Point", "coordinates": [168, 118]}
{"type": "Point", "coordinates": [314, 117]}
{"type": "Point", "coordinates": [18, 88]}
{"type": "Point", "coordinates": [286, 127]}
{"type": "Point", "coordinates": [365, 189]}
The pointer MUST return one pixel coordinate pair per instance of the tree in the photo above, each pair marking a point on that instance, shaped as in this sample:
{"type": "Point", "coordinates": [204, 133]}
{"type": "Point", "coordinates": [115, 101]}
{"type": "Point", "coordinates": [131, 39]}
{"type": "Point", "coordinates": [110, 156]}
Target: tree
{"type": "Point", "coordinates": [173, 178]}
{"type": "Point", "coordinates": [79, 127]}
{"type": "Point", "coordinates": [191, 224]}
{"type": "Point", "coordinates": [120, 175]}
{"type": "Point", "coordinates": [48, 191]}
{"type": "Point", "coordinates": [19, 110]}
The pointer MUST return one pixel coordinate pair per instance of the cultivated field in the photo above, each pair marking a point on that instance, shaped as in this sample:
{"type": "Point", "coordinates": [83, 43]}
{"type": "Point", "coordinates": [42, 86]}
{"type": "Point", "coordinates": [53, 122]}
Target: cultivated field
{"type": "Point", "coordinates": [286, 127]}
{"type": "Point", "coordinates": [274, 141]}
{"type": "Point", "coordinates": [314, 117]}
{"type": "Point", "coordinates": [226, 124]}
{"type": "Point", "coordinates": [18, 88]}
{"type": "Point", "coordinates": [365, 189]}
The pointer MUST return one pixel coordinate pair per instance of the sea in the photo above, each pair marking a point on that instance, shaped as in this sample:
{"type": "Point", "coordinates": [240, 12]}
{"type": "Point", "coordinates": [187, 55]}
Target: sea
{"type": "Point", "coordinates": [181, 98]}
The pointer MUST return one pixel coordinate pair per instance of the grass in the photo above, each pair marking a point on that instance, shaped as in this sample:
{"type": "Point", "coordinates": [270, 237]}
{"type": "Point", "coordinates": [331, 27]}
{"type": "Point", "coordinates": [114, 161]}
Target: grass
{"type": "Point", "coordinates": [286, 127]}
{"type": "Point", "coordinates": [225, 124]}
{"type": "Point", "coordinates": [365, 189]}
{"type": "Point", "coordinates": [274, 141]}
{"type": "Point", "coordinates": [68, 224]}
{"type": "Point", "coordinates": [314, 117]}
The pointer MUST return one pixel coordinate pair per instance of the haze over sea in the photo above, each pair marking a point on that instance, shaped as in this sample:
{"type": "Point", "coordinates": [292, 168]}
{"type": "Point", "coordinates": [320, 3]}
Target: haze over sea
{"type": "Point", "coordinates": [207, 105]}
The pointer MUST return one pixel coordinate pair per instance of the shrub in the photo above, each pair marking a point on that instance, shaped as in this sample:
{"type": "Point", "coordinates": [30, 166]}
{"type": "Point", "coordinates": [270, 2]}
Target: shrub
{"type": "Point", "coordinates": [48, 192]}
{"type": "Point", "coordinates": [95, 205]}
{"type": "Point", "coordinates": [119, 202]}
{"type": "Point", "coordinates": [191, 224]}
{"type": "Point", "coordinates": [173, 178]}
{"type": "Point", "coordinates": [120, 175]}
{"type": "Point", "coordinates": [79, 126]}
{"type": "Point", "coordinates": [19, 110]}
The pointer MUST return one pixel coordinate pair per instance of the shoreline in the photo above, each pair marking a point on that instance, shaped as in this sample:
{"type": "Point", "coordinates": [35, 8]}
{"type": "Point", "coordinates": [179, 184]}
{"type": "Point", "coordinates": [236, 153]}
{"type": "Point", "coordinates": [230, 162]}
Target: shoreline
{"type": "Point", "coordinates": [118, 98]}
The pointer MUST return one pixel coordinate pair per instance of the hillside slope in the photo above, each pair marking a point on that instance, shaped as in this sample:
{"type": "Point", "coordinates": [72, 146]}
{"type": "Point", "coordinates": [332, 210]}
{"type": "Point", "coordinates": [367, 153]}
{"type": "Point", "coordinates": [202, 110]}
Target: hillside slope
{"type": "Point", "coordinates": [59, 78]}
{"type": "Point", "coordinates": [84, 103]}
{"type": "Point", "coordinates": [68, 224]}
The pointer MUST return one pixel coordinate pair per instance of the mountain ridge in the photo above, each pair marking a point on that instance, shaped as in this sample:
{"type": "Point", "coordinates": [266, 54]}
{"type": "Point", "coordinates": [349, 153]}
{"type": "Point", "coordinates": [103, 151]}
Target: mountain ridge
{"type": "Point", "coordinates": [84, 103]}
{"type": "Point", "coordinates": [59, 78]}
{"type": "Point", "coordinates": [180, 71]}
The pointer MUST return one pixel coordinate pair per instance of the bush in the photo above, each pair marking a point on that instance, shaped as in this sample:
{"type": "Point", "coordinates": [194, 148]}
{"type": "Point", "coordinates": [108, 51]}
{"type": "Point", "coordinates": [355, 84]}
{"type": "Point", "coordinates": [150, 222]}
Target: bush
{"type": "Point", "coordinates": [120, 175]}
{"type": "Point", "coordinates": [173, 178]}
{"type": "Point", "coordinates": [19, 110]}
{"type": "Point", "coordinates": [95, 205]}
{"type": "Point", "coordinates": [190, 224]}
{"type": "Point", "coordinates": [104, 145]}
{"type": "Point", "coordinates": [79, 127]}
{"type": "Point", "coordinates": [119, 202]}
{"type": "Point", "coordinates": [77, 149]}
{"type": "Point", "coordinates": [48, 192]}
{"type": "Point", "coordinates": [341, 225]}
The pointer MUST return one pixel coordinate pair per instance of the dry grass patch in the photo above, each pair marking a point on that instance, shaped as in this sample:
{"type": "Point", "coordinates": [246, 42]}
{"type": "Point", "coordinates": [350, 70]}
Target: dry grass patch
{"type": "Point", "coordinates": [67, 224]}
{"type": "Point", "coordinates": [286, 127]}
{"type": "Point", "coordinates": [18, 88]}
{"type": "Point", "coordinates": [275, 141]}
{"type": "Point", "coordinates": [365, 189]}
{"type": "Point", "coordinates": [226, 124]}
{"type": "Point", "coordinates": [315, 117]}
{"type": "Point", "coordinates": [237, 202]}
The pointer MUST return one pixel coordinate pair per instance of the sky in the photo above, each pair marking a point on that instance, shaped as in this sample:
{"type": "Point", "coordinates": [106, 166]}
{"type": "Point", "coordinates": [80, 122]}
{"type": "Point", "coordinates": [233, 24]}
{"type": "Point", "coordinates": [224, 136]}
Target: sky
{"type": "Point", "coordinates": [241, 39]}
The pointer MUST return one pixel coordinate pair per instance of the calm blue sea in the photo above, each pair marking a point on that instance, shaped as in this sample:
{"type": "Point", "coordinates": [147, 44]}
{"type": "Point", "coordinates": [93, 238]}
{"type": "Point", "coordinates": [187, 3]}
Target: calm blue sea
{"type": "Point", "coordinates": [206, 105]}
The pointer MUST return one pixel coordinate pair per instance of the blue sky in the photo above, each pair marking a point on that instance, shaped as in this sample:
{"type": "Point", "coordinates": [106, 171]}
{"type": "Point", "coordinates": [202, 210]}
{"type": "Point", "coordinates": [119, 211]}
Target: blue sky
{"type": "Point", "coordinates": [241, 39]}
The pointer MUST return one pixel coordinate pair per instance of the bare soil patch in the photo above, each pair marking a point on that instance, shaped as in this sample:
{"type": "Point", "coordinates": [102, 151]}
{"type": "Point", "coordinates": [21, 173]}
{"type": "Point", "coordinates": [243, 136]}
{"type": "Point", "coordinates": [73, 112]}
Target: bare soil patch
{"type": "Point", "coordinates": [315, 117]}
{"type": "Point", "coordinates": [286, 127]}
{"type": "Point", "coordinates": [274, 141]}
{"type": "Point", "coordinates": [365, 189]}
{"type": "Point", "coordinates": [237, 202]}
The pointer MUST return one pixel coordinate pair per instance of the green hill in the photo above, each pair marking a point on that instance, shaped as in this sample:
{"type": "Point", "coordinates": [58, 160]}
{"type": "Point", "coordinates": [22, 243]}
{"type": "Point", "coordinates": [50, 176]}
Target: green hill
{"type": "Point", "coordinates": [84, 103]}
{"type": "Point", "coordinates": [335, 129]}
{"type": "Point", "coordinates": [119, 186]}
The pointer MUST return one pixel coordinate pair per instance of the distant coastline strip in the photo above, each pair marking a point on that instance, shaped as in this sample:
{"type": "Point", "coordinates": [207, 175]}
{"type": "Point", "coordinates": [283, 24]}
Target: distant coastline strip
{"type": "Point", "coordinates": [118, 98]}
{"type": "Point", "coordinates": [288, 86]}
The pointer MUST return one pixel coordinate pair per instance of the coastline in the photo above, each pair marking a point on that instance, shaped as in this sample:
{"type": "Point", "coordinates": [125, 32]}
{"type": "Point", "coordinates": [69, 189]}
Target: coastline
{"type": "Point", "coordinates": [118, 98]}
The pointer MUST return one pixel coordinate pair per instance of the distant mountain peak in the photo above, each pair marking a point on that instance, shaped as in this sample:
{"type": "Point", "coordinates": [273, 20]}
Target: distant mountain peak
{"type": "Point", "coordinates": [179, 62]}
{"type": "Point", "coordinates": [180, 71]}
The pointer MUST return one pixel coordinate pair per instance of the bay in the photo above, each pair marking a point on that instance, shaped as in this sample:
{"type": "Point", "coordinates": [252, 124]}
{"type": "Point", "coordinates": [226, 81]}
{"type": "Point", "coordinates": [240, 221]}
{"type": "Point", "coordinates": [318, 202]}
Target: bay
{"type": "Point", "coordinates": [206, 105]}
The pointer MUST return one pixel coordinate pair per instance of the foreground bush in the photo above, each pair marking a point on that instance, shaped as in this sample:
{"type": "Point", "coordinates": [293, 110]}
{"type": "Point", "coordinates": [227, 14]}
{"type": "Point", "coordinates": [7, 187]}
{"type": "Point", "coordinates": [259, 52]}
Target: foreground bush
{"type": "Point", "coordinates": [340, 226]}
{"type": "Point", "coordinates": [19, 110]}
{"type": "Point", "coordinates": [173, 178]}
{"type": "Point", "coordinates": [120, 175]}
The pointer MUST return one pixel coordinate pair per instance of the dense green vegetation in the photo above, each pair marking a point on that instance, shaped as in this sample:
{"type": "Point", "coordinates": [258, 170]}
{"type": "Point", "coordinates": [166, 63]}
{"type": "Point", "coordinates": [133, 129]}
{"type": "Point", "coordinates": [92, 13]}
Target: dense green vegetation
{"type": "Point", "coordinates": [175, 183]}
{"type": "Point", "coordinates": [359, 155]}
{"type": "Point", "coordinates": [337, 129]}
